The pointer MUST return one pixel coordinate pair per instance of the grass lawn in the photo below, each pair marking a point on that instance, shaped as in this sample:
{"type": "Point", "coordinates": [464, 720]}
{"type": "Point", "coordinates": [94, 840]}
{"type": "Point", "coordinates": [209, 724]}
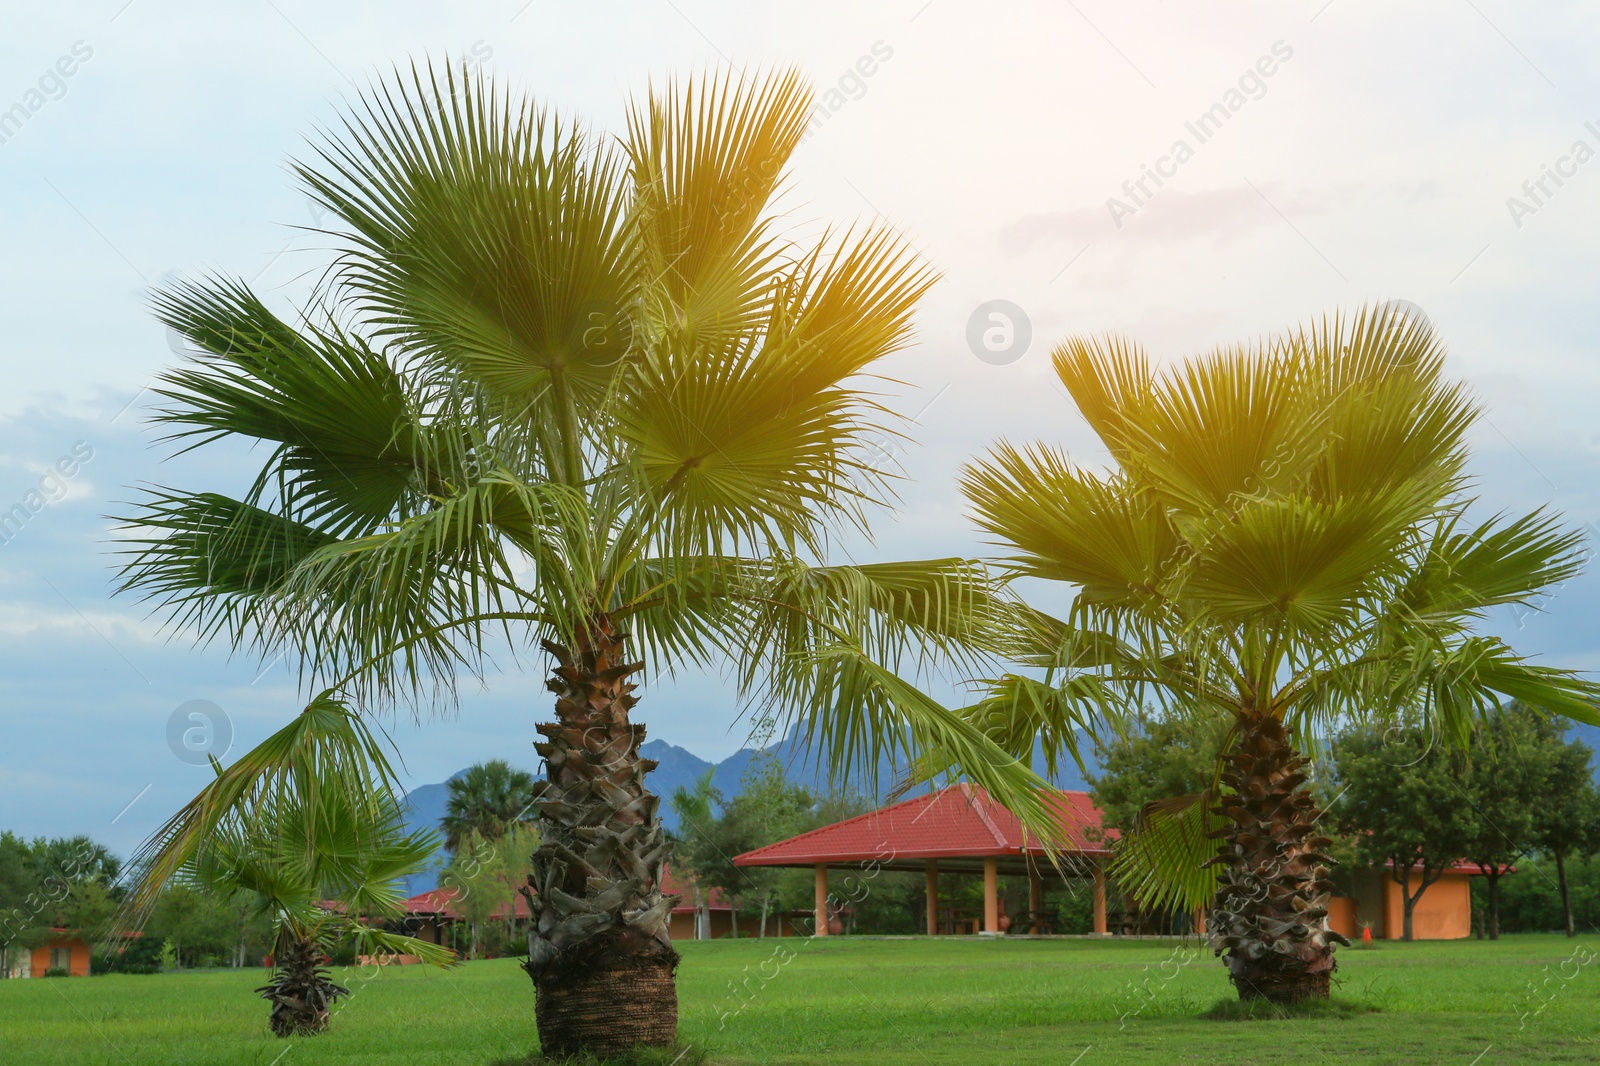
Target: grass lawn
{"type": "Point", "coordinates": [883, 1002]}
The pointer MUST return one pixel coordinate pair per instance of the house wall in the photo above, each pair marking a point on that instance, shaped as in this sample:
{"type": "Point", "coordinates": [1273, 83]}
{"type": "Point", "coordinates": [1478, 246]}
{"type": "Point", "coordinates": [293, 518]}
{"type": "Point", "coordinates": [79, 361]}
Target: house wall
{"type": "Point", "coordinates": [1342, 917]}
{"type": "Point", "coordinates": [682, 925]}
{"type": "Point", "coordinates": [78, 953]}
{"type": "Point", "coordinates": [1443, 913]}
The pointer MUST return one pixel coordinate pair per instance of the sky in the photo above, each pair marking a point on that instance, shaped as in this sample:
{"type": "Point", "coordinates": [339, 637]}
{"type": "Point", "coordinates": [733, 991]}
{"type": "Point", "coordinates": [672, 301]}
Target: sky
{"type": "Point", "coordinates": [1187, 175]}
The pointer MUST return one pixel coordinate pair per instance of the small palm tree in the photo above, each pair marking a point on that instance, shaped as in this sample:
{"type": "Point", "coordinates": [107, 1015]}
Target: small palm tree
{"type": "Point", "coordinates": [1281, 547]}
{"type": "Point", "coordinates": [306, 828]}
{"type": "Point", "coordinates": [580, 395]}
{"type": "Point", "coordinates": [488, 800]}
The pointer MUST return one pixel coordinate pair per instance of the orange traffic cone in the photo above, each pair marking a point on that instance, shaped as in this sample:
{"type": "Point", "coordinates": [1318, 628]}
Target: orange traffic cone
{"type": "Point", "coordinates": [1366, 935]}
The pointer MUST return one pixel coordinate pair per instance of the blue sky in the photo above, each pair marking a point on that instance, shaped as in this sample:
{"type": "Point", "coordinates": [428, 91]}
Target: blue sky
{"type": "Point", "coordinates": [1384, 156]}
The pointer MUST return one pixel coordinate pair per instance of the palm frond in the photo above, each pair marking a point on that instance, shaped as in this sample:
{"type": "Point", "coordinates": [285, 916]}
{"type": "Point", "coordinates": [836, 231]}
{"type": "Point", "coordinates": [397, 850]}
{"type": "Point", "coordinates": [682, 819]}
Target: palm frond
{"type": "Point", "coordinates": [707, 156]}
{"type": "Point", "coordinates": [758, 439]}
{"type": "Point", "coordinates": [1101, 534]}
{"type": "Point", "coordinates": [347, 450]}
{"type": "Point", "coordinates": [487, 237]}
{"type": "Point", "coordinates": [1167, 860]}
{"type": "Point", "coordinates": [325, 760]}
{"type": "Point", "coordinates": [211, 561]}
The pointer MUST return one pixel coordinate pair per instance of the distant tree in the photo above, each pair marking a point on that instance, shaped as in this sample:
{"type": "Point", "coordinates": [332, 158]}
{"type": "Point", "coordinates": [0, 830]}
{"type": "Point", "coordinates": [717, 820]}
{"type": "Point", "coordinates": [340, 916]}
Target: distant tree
{"type": "Point", "coordinates": [768, 808]}
{"type": "Point", "coordinates": [486, 874]}
{"type": "Point", "coordinates": [488, 799]}
{"type": "Point", "coordinates": [47, 884]}
{"type": "Point", "coordinates": [19, 884]}
{"type": "Point", "coordinates": [200, 925]}
{"type": "Point", "coordinates": [694, 843]}
{"type": "Point", "coordinates": [76, 859]}
{"type": "Point", "coordinates": [1398, 800]}
{"type": "Point", "coordinates": [1160, 758]}
{"type": "Point", "coordinates": [1161, 763]}
{"type": "Point", "coordinates": [1567, 818]}
{"type": "Point", "coordinates": [510, 870]}
{"type": "Point", "coordinates": [1506, 780]}
{"type": "Point", "coordinates": [1531, 901]}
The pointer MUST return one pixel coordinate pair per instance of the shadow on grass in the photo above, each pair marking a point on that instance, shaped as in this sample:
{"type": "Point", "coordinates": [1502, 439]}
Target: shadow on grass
{"type": "Point", "coordinates": [1259, 1010]}
{"type": "Point", "coordinates": [677, 1055]}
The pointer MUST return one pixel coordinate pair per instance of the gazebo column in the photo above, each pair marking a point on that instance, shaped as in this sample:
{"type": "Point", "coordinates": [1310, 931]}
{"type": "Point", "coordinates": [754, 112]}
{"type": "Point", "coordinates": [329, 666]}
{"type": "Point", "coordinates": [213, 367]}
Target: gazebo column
{"type": "Point", "coordinates": [933, 897]}
{"type": "Point", "coordinates": [991, 895]}
{"type": "Point", "coordinates": [1035, 897]}
{"type": "Point", "coordinates": [822, 899]}
{"type": "Point", "coordinates": [1100, 897]}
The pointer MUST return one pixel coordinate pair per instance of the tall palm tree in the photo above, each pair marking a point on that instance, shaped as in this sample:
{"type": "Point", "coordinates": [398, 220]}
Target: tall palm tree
{"type": "Point", "coordinates": [579, 394]}
{"type": "Point", "coordinates": [1281, 545]}
{"type": "Point", "coordinates": [306, 829]}
{"type": "Point", "coordinates": [488, 800]}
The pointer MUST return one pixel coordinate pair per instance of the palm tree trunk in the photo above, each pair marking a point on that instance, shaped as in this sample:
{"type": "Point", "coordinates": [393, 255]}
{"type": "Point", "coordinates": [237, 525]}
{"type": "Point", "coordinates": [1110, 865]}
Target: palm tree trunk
{"type": "Point", "coordinates": [1566, 893]}
{"type": "Point", "coordinates": [301, 992]}
{"type": "Point", "coordinates": [600, 954]}
{"type": "Point", "coordinates": [762, 934]}
{"type": "Point", "coordinates": [1271, 910]}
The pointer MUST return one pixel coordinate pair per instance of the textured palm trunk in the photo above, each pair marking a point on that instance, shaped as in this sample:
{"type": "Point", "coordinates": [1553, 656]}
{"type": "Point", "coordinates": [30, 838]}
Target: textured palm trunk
{"type": "Point", "coordinates": [301, 992]}
{"type": "Point", "coordinates": [1271, 911]}
{"type": "Point", "coordinates": [599, 952]}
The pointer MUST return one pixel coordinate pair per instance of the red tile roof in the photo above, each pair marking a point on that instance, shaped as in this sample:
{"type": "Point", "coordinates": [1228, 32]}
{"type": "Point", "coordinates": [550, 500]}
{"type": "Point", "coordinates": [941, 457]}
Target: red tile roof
{"type": "Point", "coordinates": [954, 822]}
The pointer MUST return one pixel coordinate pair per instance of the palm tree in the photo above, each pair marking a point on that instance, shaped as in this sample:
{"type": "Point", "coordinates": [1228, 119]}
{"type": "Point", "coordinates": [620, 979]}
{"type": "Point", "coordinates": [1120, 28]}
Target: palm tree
{"type": "Point", "coordinates": [1281, 546]}
{"type": "Point", "coordinates": [576, 394]}
{"type": "Point", "coordinates": [287, 832]}
{"type": "Point", "coordinates": [488, 799]}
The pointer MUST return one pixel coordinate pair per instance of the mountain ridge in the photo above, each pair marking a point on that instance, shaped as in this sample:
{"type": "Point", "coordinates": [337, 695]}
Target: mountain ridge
{"type": "Point", "coordinates": [424, 806]}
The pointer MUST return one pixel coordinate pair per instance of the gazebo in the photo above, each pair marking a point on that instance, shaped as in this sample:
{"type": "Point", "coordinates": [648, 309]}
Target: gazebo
{"type": "Point", "coordinates": [959, 829]}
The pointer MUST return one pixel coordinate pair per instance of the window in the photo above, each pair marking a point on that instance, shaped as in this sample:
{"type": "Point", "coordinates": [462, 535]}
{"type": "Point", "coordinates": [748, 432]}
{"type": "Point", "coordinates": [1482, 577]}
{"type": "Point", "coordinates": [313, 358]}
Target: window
{"type": "Point", "coordinates": [61, 959]}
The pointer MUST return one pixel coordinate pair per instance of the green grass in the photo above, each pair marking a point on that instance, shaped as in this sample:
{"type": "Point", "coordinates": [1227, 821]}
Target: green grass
{"type": "Point", "coordinates": [879, 1002]}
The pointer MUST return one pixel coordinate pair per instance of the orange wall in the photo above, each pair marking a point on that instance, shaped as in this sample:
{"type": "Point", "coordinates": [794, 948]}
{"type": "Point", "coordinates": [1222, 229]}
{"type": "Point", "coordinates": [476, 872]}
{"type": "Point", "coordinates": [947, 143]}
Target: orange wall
{"type": "Point", "coordinates": [682, 925]}
{"type": "Point", "coordinates": [78, 965]}
{"type": "Point", "coordinates": [1443, 913]}
{"type": "Point", "coordinates": [1342, 917]}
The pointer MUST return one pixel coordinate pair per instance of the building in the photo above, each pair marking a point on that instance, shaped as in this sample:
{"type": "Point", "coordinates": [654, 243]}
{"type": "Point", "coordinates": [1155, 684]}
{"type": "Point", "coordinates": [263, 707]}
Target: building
{"type": "Point", "coordinates": [962, 830]}
{"type": "Point", "coordinates": [1443, 913]}
{"type": "Point", "coordinates": [431, 915]}
{"type": "Point", "coordinates": [63, 952]}
{"type": "Point", "coordinates": [957, 830]}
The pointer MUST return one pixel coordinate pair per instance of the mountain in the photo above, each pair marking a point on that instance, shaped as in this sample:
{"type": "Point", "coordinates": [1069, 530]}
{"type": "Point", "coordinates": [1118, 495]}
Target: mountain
{"type": "Point", "coordinates": [678, 767]}
{"type": "Point", "coordinates": [424, 809]}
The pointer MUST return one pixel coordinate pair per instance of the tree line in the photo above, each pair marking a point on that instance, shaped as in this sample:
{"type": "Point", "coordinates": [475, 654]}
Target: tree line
{"type": "Point", "coordinates": [1519, 797]}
